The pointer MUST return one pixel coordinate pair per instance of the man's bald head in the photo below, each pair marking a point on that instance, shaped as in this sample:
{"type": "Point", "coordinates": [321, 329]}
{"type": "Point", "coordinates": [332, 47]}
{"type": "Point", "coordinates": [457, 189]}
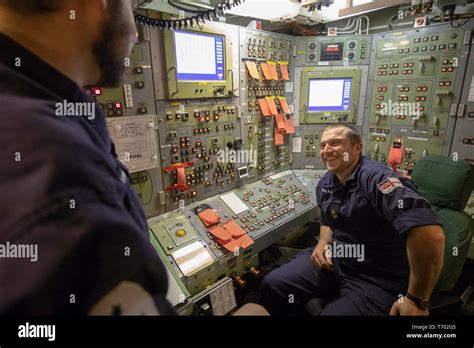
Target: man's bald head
{"type": "Point", "coordinates": [348, 131]}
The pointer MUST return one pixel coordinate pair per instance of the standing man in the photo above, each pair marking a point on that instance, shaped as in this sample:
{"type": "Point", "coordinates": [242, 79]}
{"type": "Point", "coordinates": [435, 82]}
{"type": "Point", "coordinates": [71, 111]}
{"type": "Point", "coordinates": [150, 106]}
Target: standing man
{"type": "Point", "coordinates": [65, 198]}
{"type": "Point", "coordinates": [381, 247]}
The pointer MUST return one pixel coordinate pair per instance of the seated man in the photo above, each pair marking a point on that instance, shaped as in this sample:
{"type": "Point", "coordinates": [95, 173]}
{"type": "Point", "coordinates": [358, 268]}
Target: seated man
{"type": "Point", "coordinates": [381, 247]}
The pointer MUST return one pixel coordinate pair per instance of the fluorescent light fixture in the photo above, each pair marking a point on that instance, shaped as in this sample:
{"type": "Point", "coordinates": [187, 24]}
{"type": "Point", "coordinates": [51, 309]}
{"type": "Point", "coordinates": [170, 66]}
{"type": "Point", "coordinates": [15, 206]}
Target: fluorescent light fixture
{"type": "Point", "coordinates": [266, 9]}
{"type": "Point", "coordinates": [360, 2]}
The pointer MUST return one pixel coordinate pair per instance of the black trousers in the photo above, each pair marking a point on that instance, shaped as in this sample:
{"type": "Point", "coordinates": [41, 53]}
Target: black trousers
{"type": "Point", "coordinates": [287, 289]}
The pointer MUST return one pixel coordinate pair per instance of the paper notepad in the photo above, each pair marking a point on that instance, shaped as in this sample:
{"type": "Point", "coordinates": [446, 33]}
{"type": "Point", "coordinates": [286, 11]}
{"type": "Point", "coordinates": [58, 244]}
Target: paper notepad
{"type": "Point", "coordinates": [234, 203]}
{"type": "Point", "coordinates": [192, 258]}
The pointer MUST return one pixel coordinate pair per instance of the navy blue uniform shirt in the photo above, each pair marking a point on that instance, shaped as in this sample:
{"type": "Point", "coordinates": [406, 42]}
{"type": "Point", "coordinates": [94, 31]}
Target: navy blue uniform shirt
{"type": "Point", "coordinates": [63, 189]}
{"type": "Point", "coordinates": [374, 210]}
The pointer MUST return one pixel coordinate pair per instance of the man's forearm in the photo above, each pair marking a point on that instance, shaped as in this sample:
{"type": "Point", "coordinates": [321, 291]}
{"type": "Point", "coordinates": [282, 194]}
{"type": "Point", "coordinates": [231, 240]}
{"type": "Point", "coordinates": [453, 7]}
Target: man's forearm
{"type": "Point", "coordinates": [425, 249]}
{"type": "Point", "coordinates": [325, 234]}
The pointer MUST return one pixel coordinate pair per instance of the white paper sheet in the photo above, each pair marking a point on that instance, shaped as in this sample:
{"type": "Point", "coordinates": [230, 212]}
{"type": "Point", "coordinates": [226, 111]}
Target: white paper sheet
{"type": "Point", "coordinates": [234, 203]}
{"type": "Point", "coordinates": [297, 145]}
{"type": "Point", "coordinates": [192, 258]}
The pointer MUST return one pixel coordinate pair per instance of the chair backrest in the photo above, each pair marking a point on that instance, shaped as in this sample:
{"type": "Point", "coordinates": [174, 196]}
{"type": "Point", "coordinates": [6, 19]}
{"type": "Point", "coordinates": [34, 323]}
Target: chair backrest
{"type": "Point", "coordinates": [448, 184]}
{"type": "Point", "coordinates": [443, 181]}
{"type": "Point", "coordinates": [458, 229]}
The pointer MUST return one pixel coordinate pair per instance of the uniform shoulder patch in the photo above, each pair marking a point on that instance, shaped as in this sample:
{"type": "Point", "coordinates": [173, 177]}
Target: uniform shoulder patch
{"type": "Point", "coordinates": [388, 185]}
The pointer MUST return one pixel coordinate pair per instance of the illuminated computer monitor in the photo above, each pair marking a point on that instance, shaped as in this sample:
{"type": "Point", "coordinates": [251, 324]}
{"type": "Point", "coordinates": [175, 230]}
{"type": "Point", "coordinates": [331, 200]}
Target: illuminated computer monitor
{"type": "Point", "coordinates": [197, 64]}
{"type": "Point", "coordinates": [199, 57]}
{"type": "Point", "coordinates": [329, 96]}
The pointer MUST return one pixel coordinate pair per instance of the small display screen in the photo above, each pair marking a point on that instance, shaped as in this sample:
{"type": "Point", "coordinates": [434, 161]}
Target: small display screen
{"type": "Point", "coordinates": [243, 171]}
{"type": "Point", "coordinates": [331, 48]}
{"type": "Point", "coordinates": [199, 57]}
{"type": "Point", "coordinates": [329, 94]}
{"type": "Point", "coordinates": [332, 51]}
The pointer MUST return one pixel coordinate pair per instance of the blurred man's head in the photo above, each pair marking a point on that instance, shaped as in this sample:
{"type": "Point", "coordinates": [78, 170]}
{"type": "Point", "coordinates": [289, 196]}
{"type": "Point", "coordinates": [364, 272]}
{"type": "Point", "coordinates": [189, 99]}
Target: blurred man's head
{"type": "Point", "coordinates": [340, 148]}
{"type": "Point", "coordinates": [117, 37]}
{"type": "Point", "coordinates": [95, 36]}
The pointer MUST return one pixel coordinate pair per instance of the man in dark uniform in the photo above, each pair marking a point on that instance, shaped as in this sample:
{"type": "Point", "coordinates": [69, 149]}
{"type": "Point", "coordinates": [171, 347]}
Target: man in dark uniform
{"type": "Point", "coordinates": [381, 247]}
{"type": "Point", "coordinates": [64, 195]}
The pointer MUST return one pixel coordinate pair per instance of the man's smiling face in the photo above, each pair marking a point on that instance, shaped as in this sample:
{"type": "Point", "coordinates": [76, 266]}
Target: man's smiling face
{"type": "Point", "coordinates": [336, 150]}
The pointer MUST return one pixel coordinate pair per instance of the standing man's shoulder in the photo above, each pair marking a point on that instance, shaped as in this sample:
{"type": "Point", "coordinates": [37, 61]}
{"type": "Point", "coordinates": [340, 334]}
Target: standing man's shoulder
{"type": "Point", "coordinates": [32, 124]}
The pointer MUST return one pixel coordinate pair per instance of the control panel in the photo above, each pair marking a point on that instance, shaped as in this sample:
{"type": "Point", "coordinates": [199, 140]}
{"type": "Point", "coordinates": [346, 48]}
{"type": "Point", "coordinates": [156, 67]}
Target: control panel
{"type": "Point", "coordinates": [331, 75]}
{"type": "Point", "coordinates": [198, 63]}
{"type": "Point", "coordinates": [224, 234]}
{"type": "Point", "coordinates": [135, 96]}
{"type": "Point", "coordinates": [222, 136]}
{"type": "Point", "coordinates": [267, 109]}
{"type": "Point", "coordinates": [198, 114]}
{"type": "Point", "coordinates": [310, 143]}
{"type": "Point", "coordinates": [463, 112]}
{"type": "Point", "coordinates": [341, 50]}
{"type": "Point", "coordinates": [196, 147]}
{"type": "Point", "coordinates": [413, 100]}
{"type": "Point", "coordinates": [329, 95]}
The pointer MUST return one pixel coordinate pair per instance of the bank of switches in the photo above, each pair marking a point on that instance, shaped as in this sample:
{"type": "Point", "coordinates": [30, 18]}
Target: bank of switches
{"type": "Point", "coordinates": [229, 231]}
{"type": "Point", "coordinates": [257, 208]}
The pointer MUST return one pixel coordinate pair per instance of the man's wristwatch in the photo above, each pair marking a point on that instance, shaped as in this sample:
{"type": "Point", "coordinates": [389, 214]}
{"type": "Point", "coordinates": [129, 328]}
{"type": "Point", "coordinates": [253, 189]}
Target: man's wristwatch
{"type": "Point", "coordinates": [421, 303]}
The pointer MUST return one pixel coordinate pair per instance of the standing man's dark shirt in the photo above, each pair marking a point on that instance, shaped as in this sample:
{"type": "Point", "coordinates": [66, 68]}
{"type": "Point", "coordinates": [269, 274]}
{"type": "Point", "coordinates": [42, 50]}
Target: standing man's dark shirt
{"type": "Point", "coordinates": [63, 189]}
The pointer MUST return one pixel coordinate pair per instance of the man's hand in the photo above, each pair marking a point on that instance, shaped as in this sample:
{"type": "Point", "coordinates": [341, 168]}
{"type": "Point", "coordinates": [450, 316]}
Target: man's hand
{"type": "Point", "coordinates": [320, 259]}
{"type": "Point", "coordinates": [406, 307]}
